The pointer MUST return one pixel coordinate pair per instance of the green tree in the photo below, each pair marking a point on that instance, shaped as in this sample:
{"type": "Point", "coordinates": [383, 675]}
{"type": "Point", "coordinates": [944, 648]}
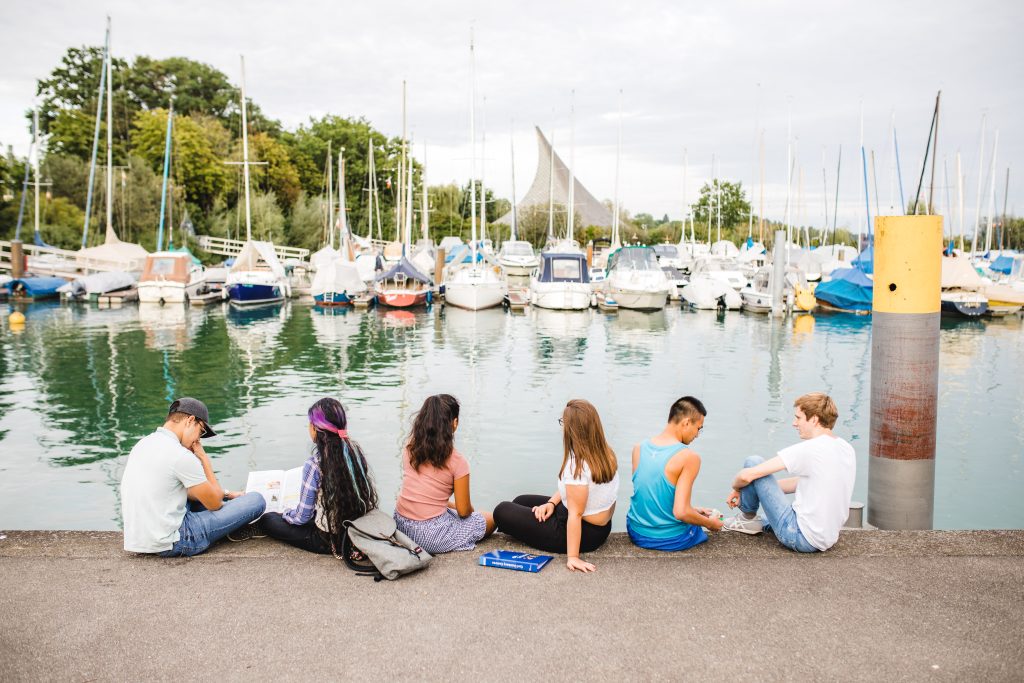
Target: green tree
{"type": "Point", "coordinates": [733, 198]}
{"type": "Point", "coordinates": [197, 164]}
{"type": "Point", "coordinates": [268, 221]}
{"type": "Point", "coordinates": [276, 173]}
{"type": "Point", "coordinates": [307, 224]}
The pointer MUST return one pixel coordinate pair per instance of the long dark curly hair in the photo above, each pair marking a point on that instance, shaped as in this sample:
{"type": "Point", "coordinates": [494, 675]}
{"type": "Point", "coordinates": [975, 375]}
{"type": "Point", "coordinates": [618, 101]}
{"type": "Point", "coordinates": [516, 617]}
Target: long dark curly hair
{"type": "Point", "coordinates": [433, 434]}
{"type": "Point", "coordinates": [346, 489]}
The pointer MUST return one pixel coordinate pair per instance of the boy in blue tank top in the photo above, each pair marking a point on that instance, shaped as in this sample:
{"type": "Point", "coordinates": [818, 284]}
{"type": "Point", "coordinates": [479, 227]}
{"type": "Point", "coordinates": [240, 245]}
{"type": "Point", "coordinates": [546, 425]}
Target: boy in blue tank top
{"type": "Point", "coordinates": [660, 514]}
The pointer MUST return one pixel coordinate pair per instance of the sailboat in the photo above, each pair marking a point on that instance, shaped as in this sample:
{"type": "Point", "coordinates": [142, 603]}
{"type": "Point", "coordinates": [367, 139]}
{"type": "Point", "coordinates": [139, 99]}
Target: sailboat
{"type": "Point", "coordinates": [961, 288]}
{"type": "Point", "coordinates": [368, 259]}
{"type": "Point", "coordinates": [337, 280]}
{"type": "Point", "coordinates": [403, 285]}
{"type": "Point", "coordinates": [256, 276]}
{"type": "Point", "coordinates": [562, 281]}
{"type": "Point", "coordinates": [168, 276]}
{"type": "Point", "coordinates": [516, 256]}
{"type": "Point", "coordinates": [474, 286]}
{"type": "Point", "coordinates": [113, 254]}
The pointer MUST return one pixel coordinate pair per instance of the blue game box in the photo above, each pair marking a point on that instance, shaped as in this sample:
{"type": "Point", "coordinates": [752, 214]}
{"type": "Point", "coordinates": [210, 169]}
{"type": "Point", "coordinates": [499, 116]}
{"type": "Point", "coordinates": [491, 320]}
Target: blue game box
{"type": "Point", "coordinates": [509, 559]}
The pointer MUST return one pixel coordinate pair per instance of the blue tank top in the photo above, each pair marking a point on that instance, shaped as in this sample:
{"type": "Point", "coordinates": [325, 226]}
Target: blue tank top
{"type": "Point", "coordinates": [650, 508]}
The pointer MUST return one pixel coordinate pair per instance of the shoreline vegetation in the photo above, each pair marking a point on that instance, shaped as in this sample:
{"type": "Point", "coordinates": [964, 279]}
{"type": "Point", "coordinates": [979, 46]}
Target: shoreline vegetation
{"type": "Point", "coordinates": [289, 191]}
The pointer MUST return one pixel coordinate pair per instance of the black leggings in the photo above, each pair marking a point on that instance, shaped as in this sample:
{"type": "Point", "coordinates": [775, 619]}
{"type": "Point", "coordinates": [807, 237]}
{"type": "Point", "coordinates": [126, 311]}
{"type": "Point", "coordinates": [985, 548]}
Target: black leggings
{"type": "Point", "coordinates": [306, 536]}
{"type": "Point", "coordinates": [517, 520]}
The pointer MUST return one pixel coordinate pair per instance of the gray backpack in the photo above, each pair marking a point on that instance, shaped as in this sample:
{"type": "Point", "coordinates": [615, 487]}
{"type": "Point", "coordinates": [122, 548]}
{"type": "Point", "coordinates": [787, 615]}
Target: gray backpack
{"type": "Point", "coordinates": [389, 552]}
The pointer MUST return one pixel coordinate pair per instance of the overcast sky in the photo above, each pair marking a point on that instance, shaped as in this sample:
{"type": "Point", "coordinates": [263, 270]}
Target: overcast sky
{"type": "Point", "coordinates": [700, 77]}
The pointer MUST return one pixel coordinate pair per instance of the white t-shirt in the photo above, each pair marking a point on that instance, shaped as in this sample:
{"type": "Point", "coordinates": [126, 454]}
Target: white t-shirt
{"type": "Point", "coordinates": [153, 491]}
{"type": "Point", "coordinates": [600, 497]}
{"type": "Point", "coordinates": [827, 468]}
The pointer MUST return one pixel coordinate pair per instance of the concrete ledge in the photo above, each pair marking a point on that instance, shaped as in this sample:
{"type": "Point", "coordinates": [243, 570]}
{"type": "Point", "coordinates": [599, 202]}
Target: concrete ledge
{"type": "Point", "coordinates": [881, 605]}
{"type": "Point", "coordinates": [723, 546]}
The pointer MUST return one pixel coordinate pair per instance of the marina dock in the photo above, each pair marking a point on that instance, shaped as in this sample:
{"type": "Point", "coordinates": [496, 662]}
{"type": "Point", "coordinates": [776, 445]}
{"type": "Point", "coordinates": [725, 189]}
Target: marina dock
{"type": "Point", "coordinates": [943, 605]}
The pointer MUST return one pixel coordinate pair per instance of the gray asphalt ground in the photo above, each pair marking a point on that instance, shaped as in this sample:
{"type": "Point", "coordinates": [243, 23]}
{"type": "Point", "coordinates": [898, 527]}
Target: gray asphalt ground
{"type": "Point", "coordinates": [878, 606]}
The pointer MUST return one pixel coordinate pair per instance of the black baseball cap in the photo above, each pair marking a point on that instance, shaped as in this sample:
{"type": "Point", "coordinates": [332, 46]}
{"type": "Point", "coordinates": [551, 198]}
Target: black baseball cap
{"type": "Point", "coordinates": [195, 408]}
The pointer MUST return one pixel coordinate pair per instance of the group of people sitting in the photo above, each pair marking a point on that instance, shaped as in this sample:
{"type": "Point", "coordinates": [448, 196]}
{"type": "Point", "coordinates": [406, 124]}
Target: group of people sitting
{"type": "Point", "coordinates": [173, 505]}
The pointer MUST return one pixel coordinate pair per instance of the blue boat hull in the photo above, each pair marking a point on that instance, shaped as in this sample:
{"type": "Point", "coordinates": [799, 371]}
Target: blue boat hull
{"type": "Point", "coordinates": [332, 299]}
{"type": "Point", "coordinates": [251, 295]}
{"type": "Point", "coordinates": [964, 309]}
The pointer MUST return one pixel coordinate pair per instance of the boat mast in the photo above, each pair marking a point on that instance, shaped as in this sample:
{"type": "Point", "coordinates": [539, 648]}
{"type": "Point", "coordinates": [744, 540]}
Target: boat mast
{"type": "Point", "coordinates": [551, 188]}
{"type": "Point", "coordinates": [686, 206]}
{"type": "Point", "coordinates": [824, 194]}
{"type": "Point", "coordinates": [571, 214]}
{"type": "Point", "coordinates": [835, 207]}
{"type": "Point", "coordinates": [618, 160]}
{"type": "Point", "coordinates": [330, 196]}
{"type": "Point", "coordinates": [483, 170]}
{"type": "Point", "coordinates": [472, 149]}
{"type": "Point", "coordinates": [245, 158]}
{"type": "Point", "coordinates": [981, 171]}
{"type": "Point", "coordinates": [96, 135]}
{"type": "Point", "coordinates": [110, 151]}
{"type": "Point", "coordinates": [408, 211]}
{"type": "Point", "coordinates": [960, 198]}
{"type": "Point", "coordinates": [992, 193]}
{"type": "Point", "coordinates": [343, 236]}
{"type": "Point", "coordinates": [35, 170]}
{"type": "Point", "coordinates": [425, 209]}
{"type": "Point", "coordinates": [512, 148]}
{"type": "Point", "coordinates": [789, 177]}
{"type": "Point", "coordinates": [400, 204]}
{"type": "Point", "coordinates": [760, 217]}
{"type": "Point", "coordinates": [163, 191]}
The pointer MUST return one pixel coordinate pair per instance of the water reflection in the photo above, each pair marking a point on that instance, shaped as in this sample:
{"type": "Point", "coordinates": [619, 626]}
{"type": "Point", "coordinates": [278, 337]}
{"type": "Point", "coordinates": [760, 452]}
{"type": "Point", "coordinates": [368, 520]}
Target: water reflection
{"type": "Point", "coordinates": [79, 385]}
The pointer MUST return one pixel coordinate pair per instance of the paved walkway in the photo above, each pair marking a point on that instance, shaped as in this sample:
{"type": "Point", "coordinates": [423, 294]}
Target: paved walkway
{"type": "Point", "coordinates": [880, 606]}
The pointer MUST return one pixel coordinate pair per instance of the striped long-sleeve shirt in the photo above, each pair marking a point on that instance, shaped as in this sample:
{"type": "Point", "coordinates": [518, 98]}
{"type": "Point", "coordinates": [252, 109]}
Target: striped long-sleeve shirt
{"type": "Point", "coordinates": [306, 508]}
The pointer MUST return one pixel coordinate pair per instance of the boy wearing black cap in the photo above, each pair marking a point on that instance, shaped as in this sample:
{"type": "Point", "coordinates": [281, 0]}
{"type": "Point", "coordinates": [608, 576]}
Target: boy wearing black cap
{"type": "Point", "coordinates": [171, 502]}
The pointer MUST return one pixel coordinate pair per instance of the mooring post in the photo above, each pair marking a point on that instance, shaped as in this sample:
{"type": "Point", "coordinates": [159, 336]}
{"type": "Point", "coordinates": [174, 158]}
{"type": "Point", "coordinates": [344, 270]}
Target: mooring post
{"type": "Point", "coordinates": [904, 371]}
{"type": "Point", "coordinates": [438, 267]}
{"type": "Point", "coordinates": [17, 260]}
{"type": "Point", "coordinates": [778, 273]}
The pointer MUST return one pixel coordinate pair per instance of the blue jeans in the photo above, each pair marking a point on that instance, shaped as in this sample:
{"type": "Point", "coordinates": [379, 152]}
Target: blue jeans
{"type": "Point", "coordinates": [777, 509]}
{"type": "Point", "coordinates": [201, 528]}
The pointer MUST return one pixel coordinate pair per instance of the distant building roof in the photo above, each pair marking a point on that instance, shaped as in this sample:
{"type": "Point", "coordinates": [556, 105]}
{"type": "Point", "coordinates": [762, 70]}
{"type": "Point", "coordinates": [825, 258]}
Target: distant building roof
{"type": "Point", "coordinates": [589, 209]}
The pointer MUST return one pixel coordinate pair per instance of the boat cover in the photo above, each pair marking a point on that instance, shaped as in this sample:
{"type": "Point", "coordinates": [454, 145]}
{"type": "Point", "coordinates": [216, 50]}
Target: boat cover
{"type": "Point", "coordinates": [323, 257]}
{"type": "Point", "coordinates": [849, 289]}
{"type": "Point", "coordinates": [1003, 264]}
{"type": "Point", "coordinates": [337, 277]}
{"type": "Point", "coordinates": [555, 267]}
{"type": "Point", "coordinates": [99, 283]}
{"type": "Point", "coordinates": [633, 258]}
{"type": "Point", "coordinates": [37, 287]}
{"type": "Point", "coordinates": [113, 252]}
{"type": "Point", "coordinates": [724, 248]}
{"type": "Point", "coordinates": [866, 260]}
{"type": "Point", "coordinates": [406, 267]}
{"type": "Point", "coordinates": [958, 273]}
{"type": "Point", "coordinates": [257, 256]}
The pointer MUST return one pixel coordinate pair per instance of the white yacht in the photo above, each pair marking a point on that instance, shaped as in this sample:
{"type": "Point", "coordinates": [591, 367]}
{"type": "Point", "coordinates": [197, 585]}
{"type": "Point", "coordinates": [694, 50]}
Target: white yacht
{"type": "Point", "coordinates": [635, 280]}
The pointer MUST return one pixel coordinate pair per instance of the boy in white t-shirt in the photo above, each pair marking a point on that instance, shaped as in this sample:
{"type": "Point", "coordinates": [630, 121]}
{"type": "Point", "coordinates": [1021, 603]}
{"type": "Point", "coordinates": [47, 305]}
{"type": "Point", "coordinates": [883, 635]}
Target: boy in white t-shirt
{"type": "Point", "coordinates": [825, 468]}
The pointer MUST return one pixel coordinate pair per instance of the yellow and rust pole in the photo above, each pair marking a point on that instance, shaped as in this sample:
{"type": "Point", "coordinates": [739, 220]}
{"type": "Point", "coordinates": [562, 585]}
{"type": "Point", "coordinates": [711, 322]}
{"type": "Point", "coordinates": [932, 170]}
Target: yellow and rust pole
{"type": "Point", "coordinates": [904, 371]}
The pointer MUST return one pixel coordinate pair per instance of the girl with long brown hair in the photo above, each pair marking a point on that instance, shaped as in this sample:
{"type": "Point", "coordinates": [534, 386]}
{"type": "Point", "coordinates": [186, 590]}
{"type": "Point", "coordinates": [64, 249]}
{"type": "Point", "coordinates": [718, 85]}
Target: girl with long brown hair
{"type": "Point", "coordinates": [433, 506]}
{"type": "Point", "coordinates": [577, 518]}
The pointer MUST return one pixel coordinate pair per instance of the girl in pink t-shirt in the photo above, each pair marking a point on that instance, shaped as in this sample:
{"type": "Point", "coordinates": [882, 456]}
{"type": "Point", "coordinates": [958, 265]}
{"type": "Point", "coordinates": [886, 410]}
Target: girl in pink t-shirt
{"type": "Point", "coordinates": [432, 472]}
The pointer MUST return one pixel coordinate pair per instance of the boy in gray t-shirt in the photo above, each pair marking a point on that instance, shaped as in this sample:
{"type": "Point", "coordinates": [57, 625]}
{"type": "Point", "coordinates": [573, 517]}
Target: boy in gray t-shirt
{"type": "Point", "coordinates": [171, 502]}
{"type": "Point", "coordinates": [824, 468]}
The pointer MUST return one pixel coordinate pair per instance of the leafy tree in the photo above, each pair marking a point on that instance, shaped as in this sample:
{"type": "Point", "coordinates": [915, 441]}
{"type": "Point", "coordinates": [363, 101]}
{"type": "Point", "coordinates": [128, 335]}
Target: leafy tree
{"type": "Point", "coordinates": [197, 88]}
{"type": "Point", "coordinates": [307, 225]}
{"type": "Point", "coordinates": [734, 205]}
{"type": "Point", "coordinates": [278, 175]}
{"type": "Point", "coordinates": [197, 165]}
{"type": "Point", "coordinates": [267, 218]}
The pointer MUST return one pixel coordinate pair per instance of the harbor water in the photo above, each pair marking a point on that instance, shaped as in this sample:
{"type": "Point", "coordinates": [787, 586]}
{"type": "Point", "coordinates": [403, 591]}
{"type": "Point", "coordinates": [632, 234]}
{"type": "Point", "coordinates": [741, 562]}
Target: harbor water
{"type": "Point", "coordinates": [80, 385]}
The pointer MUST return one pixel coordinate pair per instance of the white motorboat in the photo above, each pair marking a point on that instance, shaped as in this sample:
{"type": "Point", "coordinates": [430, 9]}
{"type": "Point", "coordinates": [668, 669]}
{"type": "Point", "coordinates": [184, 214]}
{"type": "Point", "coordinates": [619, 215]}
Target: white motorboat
{"type": "Point", "coordinates": [167, 276]}
{"type": "Point", "coordinates": [707, 293]}
{"type": "Point", "coordinates": [517, 258]}
{"type": "Point", "coordinates": [724, 270]}
{"type": "Point", "coordinates": [561, 282]}
{"type": "Point", "coordinates": [635, 280]}
{"type": "Point", "coordinates": [475, 287]}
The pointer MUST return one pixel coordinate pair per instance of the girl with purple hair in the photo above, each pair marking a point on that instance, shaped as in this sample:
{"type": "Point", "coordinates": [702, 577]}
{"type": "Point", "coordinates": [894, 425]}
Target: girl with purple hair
{"type": "Point", "coordinates": [336, 486]}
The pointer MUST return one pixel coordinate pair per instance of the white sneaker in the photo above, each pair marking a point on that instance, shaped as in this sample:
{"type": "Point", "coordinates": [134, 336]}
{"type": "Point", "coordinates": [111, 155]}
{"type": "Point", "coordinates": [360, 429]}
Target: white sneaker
{"type": "Point", "coordinates": [744, 526]}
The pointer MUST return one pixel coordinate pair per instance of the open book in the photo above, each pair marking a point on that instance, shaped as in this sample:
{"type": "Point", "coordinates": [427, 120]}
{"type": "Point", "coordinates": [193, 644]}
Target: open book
{"type": "Point", "coordinates": [280, 488]}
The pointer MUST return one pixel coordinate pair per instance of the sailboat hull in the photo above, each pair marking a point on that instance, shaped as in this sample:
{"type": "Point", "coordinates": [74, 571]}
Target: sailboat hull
{"type": "Point", "coordinates": [474, 296]}
{"type": "Point", "coordinates": [964, 308]}
{"type": "Point", "coordinates": [243, 294]}
{"type": "Point", "coordinates": [332, 299]}
{"type": "Point", "coordinates": [402, 298]}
